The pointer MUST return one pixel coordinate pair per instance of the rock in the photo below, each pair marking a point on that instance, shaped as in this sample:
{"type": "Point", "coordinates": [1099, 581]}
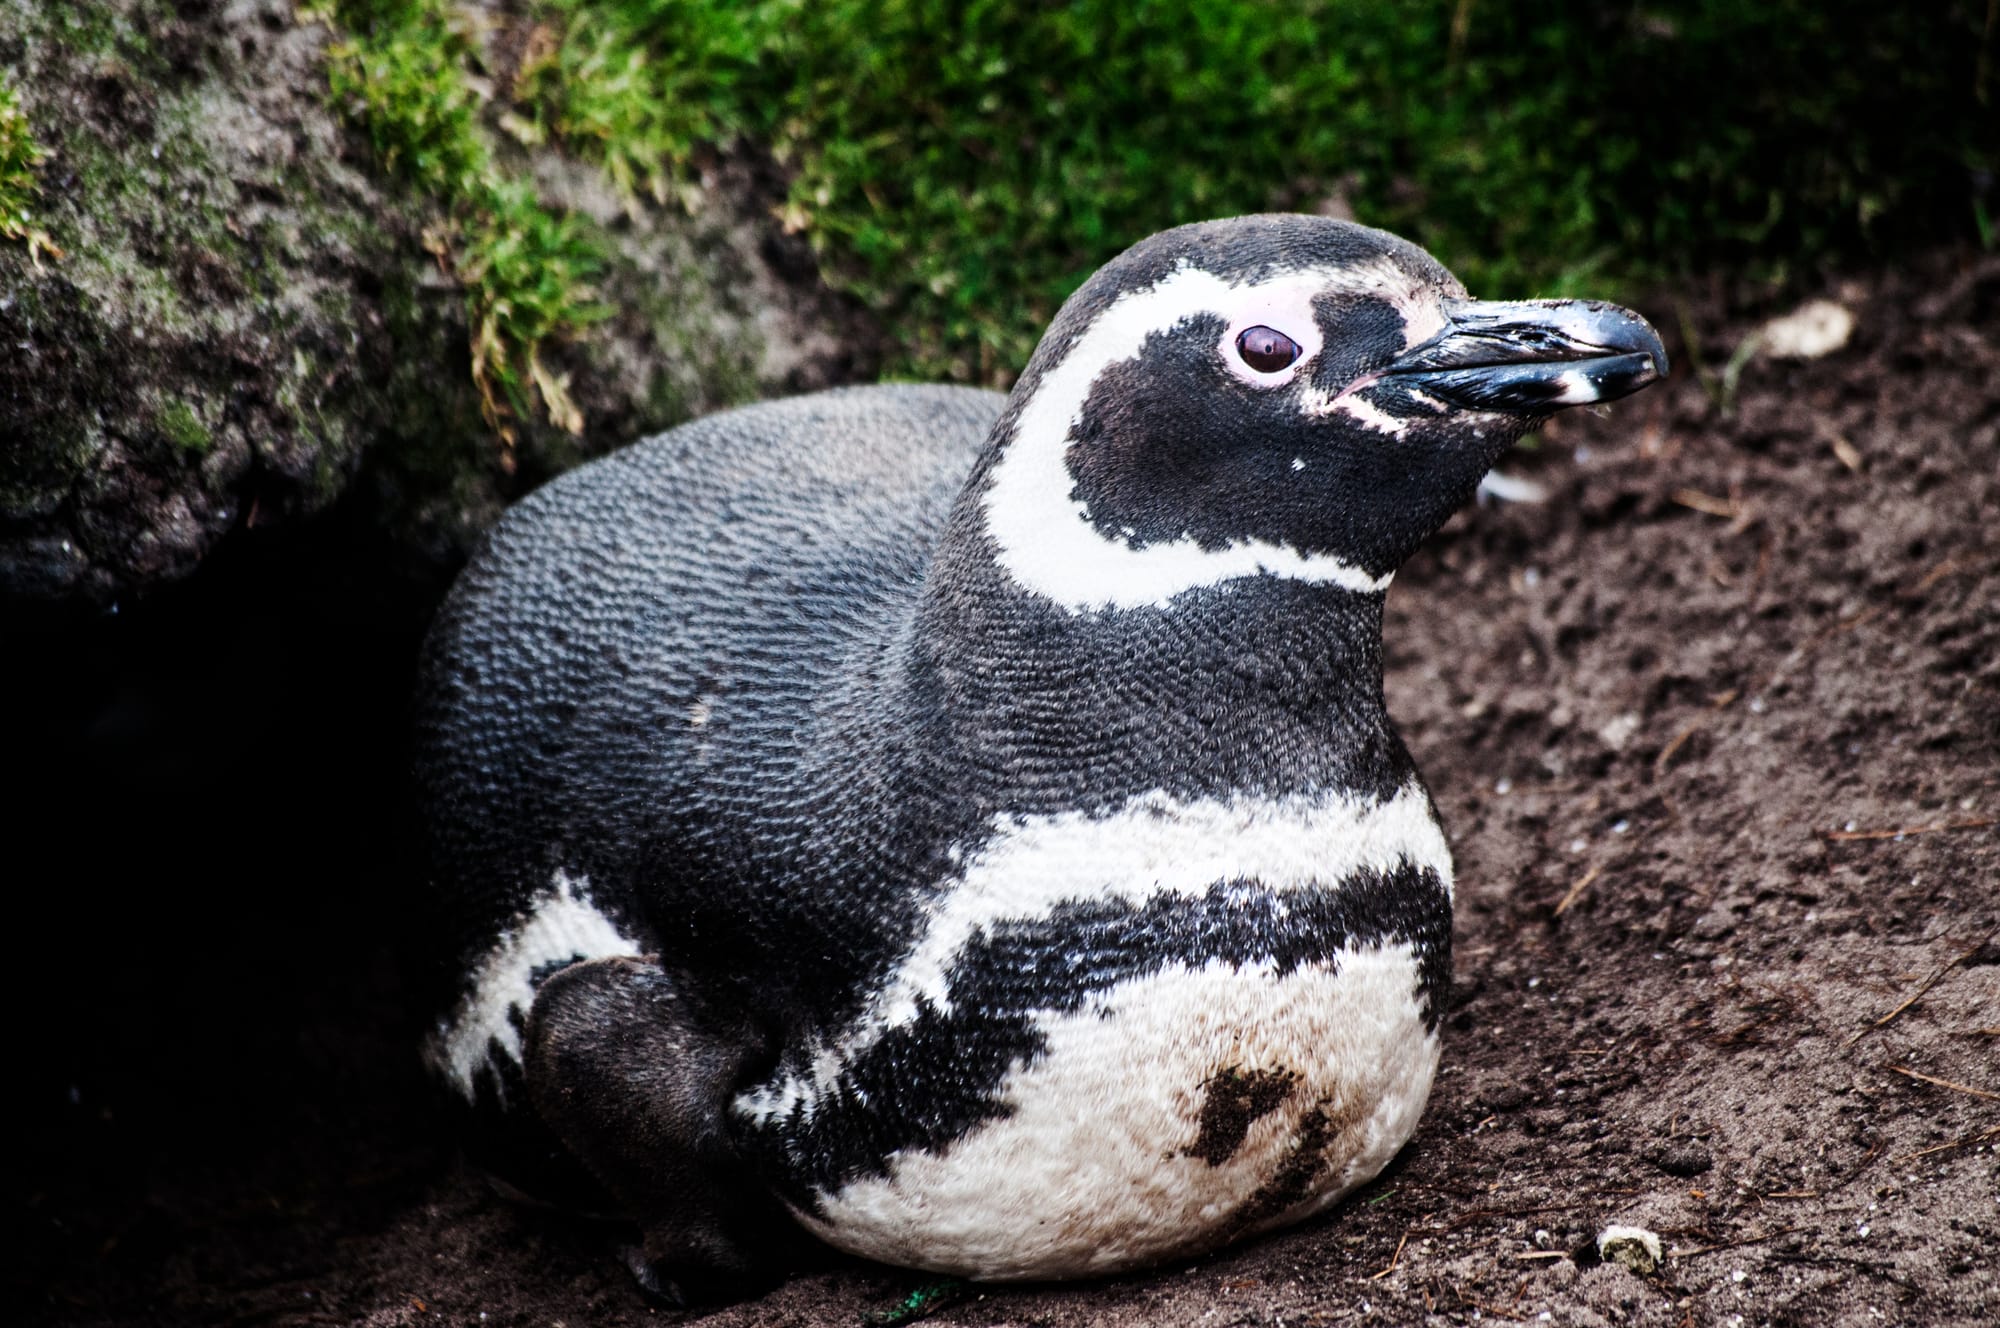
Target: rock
{"type": "Point", "coordinates": [1634, 1247]}
{"type": "Point", "coordinates": [245, 319]}
{"type": "Point", "coordinates": [1680, 1159]}
{"type": "Point", "coordinates": [1816, 328]}
{"type": "Point", "coordinates": [1618, 730]}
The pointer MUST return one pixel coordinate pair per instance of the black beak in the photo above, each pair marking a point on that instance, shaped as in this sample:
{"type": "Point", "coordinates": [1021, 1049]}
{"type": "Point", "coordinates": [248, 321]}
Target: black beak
{"type": "Point", "coordinates": [1532, 357]}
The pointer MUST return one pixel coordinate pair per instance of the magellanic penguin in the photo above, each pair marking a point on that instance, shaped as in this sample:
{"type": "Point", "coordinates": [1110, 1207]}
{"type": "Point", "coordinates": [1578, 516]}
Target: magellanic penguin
{"type": "Point", "coordinates": [972, 823]}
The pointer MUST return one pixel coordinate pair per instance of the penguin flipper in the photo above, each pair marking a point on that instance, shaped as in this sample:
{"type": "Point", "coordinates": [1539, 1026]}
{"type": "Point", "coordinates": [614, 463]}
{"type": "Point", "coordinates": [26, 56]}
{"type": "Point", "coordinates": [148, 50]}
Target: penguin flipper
{"type": "Point", "coordinates": [637, 1086]}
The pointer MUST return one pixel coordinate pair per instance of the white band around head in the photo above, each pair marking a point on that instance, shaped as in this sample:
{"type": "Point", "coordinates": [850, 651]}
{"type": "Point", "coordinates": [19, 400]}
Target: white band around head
{"type": "Point", "coordinates": [1044, 535]}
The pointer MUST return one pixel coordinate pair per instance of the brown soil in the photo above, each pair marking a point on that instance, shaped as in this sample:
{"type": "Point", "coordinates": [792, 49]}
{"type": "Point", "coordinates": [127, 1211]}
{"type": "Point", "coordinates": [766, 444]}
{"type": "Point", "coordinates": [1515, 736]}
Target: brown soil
{"type": "Point", "coordinates": [1716, 732]}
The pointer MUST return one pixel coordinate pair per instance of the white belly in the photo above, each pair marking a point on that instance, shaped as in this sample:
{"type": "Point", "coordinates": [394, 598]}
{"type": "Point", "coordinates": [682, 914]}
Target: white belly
{"type": "Point", "coordinates": [1171, 1114]}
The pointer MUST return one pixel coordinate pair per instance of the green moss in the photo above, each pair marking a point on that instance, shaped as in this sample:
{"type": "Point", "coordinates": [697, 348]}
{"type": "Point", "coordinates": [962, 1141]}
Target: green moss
{"type": "Point", "coordinates": [20, 156]}
{"type": "Point", "coordinates": [961, 166]}
{"type": "Point", "coordinates": [403, 77]}
{"type": "Point", "coordinates": [183, 428]}
{"type": "Point", "coordinates": [640, 88]}
{"type": "Point", "coordinates": [141, 203]}
{"type": "Point", "coordinates": [406, 75]}
{"type": "Point", "coordinates": [526, 273]}
{"type": "Point", "coordinates": [98, 30]}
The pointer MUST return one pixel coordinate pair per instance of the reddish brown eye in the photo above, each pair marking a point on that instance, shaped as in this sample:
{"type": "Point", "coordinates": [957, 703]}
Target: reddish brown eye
{"type": "Point", "coordinates": [1266, 349]}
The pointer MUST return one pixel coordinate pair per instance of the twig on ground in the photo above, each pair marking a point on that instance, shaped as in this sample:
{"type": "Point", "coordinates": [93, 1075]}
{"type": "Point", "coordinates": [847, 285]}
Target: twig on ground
{"type": "Point", "coordinates": [1668, 752]}
{"type": "Point", "coordinates": [1576, 891]}
{"type": "Point", "coordinates": [1907, 1072]}
{"type": "Point", "coordinates": [1707, 502]}
{"type": "Point", "coordinates": [1939, 573]}
{"type": "Point", "coordinates": [1741, 514]}
{"type": "Point", "coordinates": [1821, 1259]}
{"type": "Point", "coordinates": [1850, 836]}
{"type": "Point", "coordinates": [1732, 1244]}
{"type": "Point", "coordinates": [1929, 982]}
{"type": "Point", "coordinates": [1394, 1259]}
{"type": "Point", "coordinates": [1719, 702]}
{"type": "Point", "coordinates": [1478, 1214]}
{"type": "Point", "coordinates": [1844, 448]}
{"type": "Point", "coordinates": [1496, 1311]}
{"type": "Point", "coordinates": [1960, 1142]}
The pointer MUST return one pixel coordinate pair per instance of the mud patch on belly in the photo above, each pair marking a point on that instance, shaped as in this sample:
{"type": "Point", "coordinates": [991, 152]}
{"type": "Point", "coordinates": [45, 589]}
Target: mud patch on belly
{"type": "Point", "coordinates": [1232, 1100]}
{"type": "Point", "coordinates": [1317, 1131]}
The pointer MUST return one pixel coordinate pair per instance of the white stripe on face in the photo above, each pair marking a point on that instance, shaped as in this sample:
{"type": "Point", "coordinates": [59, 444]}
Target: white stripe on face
{"type": "Point", "coordinates": [1045, 539]}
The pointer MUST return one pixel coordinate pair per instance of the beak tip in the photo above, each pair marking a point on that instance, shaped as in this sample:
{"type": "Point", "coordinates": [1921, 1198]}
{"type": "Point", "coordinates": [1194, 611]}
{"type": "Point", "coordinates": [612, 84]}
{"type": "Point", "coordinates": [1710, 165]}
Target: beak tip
{"type": "Point", "coordinates": [1657, 352]}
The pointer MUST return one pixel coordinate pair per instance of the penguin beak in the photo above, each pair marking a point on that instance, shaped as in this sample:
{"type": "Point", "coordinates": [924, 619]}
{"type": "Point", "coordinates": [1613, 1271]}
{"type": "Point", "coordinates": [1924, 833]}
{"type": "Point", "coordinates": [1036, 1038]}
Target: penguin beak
{"type": "Point", "coordinates": [1532, 357]}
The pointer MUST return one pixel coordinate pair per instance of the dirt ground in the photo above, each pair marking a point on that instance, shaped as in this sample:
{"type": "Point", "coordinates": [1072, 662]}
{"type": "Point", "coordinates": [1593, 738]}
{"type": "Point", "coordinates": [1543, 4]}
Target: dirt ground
{"type": "Point", "coordinates": [1715, 730]}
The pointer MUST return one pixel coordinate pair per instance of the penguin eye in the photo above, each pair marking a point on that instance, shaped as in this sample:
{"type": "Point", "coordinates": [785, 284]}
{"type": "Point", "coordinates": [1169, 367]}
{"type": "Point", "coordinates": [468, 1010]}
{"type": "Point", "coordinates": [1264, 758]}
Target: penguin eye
{"type": "Point", "coordinates": [1266, 349]}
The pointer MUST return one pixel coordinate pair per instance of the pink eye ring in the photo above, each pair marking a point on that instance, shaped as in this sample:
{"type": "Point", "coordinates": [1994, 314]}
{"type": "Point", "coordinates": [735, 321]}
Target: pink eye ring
{"type": "Point", "coordinates": [1266, 349]}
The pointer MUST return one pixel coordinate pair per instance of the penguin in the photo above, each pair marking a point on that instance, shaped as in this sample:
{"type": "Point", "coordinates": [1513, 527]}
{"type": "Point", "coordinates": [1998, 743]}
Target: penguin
{"type": "Point", "coordinates": [969, 827]}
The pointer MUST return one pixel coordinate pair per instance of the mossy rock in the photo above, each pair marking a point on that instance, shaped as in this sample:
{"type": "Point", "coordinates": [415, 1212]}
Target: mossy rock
{"type": "Point", "coordinates": [245, 318]}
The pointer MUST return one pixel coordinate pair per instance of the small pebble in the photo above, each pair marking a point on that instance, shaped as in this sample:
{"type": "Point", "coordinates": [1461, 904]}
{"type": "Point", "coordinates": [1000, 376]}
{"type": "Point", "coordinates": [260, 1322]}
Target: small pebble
{"type": "Point", "coordinates": [1632, 1247]}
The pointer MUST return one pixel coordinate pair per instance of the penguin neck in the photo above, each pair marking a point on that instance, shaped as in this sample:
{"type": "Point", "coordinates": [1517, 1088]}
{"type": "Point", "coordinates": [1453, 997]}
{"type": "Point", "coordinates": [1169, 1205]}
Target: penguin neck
{"type": "Point", "coordinates": [1257, 684]}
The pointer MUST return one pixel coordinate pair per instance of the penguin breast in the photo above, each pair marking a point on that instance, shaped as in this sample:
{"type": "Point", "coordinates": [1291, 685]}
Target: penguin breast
{"type": "Point", "coordinates": [1121, 1037]}
{"type": "Point", "coordinates": [1173, 1113]}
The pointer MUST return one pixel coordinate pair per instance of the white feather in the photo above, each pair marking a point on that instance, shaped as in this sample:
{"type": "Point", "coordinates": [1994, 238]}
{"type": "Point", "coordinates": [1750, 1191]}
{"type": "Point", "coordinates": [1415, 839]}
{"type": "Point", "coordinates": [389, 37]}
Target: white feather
{"type": "Point", "coordinates": [559, 924]}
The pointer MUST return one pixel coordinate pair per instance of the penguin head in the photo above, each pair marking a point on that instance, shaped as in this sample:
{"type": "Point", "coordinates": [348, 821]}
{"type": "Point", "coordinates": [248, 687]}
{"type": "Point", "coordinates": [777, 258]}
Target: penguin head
{"type": "Point", "coordinates": [1277, 395]}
